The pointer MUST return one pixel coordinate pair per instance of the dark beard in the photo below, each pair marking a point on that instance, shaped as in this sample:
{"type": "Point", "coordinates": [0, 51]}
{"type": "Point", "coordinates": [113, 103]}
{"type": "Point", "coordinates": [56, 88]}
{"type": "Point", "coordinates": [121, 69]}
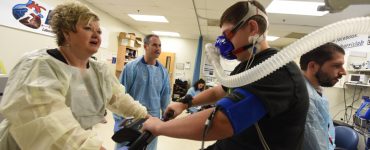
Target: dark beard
{"type": "Point", "coordinates": [323, 79]}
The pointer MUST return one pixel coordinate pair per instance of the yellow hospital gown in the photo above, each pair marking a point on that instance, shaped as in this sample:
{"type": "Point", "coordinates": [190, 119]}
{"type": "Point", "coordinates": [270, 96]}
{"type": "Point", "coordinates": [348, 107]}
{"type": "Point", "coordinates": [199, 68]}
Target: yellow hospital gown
{"type": "Point", "coordinates": [51, 105]}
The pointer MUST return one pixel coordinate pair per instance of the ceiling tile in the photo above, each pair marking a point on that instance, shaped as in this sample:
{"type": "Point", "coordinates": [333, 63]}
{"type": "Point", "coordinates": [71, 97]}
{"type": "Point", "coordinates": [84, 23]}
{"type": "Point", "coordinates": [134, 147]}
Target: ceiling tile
{"type": "Point", "coordinates": [183, 19]}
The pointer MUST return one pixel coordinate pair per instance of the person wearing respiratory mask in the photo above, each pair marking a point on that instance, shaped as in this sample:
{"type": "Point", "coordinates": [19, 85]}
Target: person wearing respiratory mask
{"type": "Point", "coordinates": [267, 114]}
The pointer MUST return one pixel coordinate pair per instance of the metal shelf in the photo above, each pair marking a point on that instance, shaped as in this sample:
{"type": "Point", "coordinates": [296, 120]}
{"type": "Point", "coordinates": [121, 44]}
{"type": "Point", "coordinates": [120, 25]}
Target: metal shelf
{"type": "Point", "coordinates": [359, 70]}
{"type": "Point", "coordinates": [356, 84]}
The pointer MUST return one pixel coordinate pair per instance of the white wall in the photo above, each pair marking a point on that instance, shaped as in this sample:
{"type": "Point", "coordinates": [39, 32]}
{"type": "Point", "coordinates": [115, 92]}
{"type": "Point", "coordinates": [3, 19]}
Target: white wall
{"type": "Point", "coordinates": [14, 43]}
{"type": "Point", "coordinates": [186, 51]}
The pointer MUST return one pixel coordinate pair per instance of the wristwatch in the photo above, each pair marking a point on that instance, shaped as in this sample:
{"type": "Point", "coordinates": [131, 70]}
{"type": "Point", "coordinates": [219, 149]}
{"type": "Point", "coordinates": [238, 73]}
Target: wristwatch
{"type": "Point", "coordinates": [187, 99]}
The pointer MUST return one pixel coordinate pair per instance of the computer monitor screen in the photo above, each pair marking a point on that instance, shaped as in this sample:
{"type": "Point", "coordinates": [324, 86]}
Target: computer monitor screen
{"type": "Point", "coordinates": [355, 78]}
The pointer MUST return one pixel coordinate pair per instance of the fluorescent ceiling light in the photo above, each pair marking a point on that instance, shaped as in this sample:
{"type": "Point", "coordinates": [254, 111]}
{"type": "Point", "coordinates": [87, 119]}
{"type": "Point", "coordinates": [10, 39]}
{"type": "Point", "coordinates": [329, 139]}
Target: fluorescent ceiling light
{"type": "Point", "coordinates": [272, 38]}
{"type": "Point", "coordinates": [295, 8]}
{"type": "Point", "coordinates": [150, 18]}
{"type": "Point", "coordinates": [165, 33]}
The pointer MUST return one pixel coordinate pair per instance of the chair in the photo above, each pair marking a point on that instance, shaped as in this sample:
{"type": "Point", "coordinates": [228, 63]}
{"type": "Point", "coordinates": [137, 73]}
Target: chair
{"type": "Point", "coordinates": [346, 138]}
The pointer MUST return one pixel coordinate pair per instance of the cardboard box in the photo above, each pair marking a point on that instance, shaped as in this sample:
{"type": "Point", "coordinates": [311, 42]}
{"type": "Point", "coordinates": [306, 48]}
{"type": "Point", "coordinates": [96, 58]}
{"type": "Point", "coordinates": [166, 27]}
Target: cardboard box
{"type": "Point", "coordinates": [127, 39]}
{"type": "Point", "coordinates": [138, 42]}
{"type": "Point", "coordinates": [132, 36]}
{"type": "Point", "coordinates": [128, 42]}
{"type": "Point", "coordinates": [123, 35]}
{"type": "Point", "coordinates": [125, 42]}
{"type": "Point", "coordinates": [131, 43]}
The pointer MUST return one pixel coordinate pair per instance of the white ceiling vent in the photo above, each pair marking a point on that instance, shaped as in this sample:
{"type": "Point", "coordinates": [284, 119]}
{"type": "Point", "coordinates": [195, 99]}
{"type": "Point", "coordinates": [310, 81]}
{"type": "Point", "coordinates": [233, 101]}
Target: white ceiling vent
{"type": "Point", "coordinates": [295, 35]}
{"type": "Point", "coordinates": [213, 22]}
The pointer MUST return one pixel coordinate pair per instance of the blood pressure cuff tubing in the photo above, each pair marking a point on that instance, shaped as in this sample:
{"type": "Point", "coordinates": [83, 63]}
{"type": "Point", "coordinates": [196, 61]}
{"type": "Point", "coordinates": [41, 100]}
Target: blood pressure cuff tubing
{"type": "Point", "coordinates": [242, 108]}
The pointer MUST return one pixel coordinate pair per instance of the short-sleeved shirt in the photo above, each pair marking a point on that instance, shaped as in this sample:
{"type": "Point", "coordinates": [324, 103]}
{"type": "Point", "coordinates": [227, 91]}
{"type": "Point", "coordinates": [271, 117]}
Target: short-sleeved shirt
{"type": "Point", "coordinates": [284, 95]}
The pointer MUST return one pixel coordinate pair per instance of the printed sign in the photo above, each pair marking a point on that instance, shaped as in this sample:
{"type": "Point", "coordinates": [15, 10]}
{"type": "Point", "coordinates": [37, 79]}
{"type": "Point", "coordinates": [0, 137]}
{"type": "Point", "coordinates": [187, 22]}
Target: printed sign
{"type": "Point", "coordinates": [358, 42]}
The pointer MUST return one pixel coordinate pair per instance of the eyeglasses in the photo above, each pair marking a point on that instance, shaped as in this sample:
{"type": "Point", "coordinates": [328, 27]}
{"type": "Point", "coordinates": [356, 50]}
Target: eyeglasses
{"type": "Point", "coordinates": [230, 34]}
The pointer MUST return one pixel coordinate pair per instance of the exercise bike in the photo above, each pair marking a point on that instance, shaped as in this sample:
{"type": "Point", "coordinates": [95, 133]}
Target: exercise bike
{"type": "Point", "coordinates": [131, 134]}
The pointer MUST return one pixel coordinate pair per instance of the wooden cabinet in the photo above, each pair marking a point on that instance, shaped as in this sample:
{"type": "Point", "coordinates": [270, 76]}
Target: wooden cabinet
{"type": "Point", "coordinates": [125, 54]}
{"type": "Point", "coordinates": [128, 45]}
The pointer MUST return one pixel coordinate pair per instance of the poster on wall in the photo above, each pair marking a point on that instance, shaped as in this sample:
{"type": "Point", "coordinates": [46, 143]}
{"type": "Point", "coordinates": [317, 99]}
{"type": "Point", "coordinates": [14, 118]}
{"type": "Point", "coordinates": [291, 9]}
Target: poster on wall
{"type": "Point", "coordinates": [33, 16]}
{"type": "Point", "coordinates": [29, 15]}
{"type": "Point", "coordinates": [355, 42]}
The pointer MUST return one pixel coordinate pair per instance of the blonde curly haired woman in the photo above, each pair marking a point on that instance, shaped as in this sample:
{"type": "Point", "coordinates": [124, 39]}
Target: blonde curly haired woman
{"type": "Point", "coordinates": [55, 96]}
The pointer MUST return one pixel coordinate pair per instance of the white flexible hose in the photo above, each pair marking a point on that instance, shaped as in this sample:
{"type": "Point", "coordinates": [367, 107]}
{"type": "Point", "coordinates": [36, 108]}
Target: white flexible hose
{"type": "Point", "coordinates": [319, 37]}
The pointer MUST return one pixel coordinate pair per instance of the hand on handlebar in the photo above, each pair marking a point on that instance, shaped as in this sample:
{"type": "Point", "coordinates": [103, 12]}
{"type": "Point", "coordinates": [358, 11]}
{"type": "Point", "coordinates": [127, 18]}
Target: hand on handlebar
{"type": "Point", "coordinates": [176, 107]}
{"type": "Point", "coordinates": [152, 125]}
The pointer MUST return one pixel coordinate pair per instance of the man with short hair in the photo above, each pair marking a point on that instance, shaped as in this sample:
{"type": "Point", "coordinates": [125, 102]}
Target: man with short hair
{"type": "Point", "coordinates": [322, 67]}
{"type": "Point", "coordinates": [147, 80]}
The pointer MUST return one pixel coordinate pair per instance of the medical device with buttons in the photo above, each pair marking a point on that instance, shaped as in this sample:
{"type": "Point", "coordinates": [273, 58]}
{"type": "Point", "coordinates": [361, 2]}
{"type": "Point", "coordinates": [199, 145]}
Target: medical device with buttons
{"type": "Point", "coordinates": [361, 119]}
{"type": "Point", "coordinates": [358, 78]}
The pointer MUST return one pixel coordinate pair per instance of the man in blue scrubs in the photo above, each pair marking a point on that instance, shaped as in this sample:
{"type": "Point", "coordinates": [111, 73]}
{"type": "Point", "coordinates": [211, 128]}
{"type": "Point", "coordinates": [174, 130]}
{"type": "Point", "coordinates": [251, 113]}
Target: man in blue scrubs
{"type": "Point", "coordinates": [322, 67]}
{"type": "Point", "coordinates": [147, 80]}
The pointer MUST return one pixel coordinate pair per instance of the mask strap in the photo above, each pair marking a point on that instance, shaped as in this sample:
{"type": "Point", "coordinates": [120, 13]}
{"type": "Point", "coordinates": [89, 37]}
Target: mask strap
{"type": "Point", "coordinates": [241, 49]}
{"type": "Point", "coordinates": [253, 10]}
{"type": "Point", "coordinates": [255, 41]}
{"type": "Point", "coordinates": [248, 46]}
{"type": "Point", "coordinates": [253, 51]}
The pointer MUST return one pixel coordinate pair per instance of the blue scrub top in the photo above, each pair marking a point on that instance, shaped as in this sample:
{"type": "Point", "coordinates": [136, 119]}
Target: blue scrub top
{"type": "Point", "coordinates": [192, 92]}
{"type": "Point", "coordinates": [319, 130]}
{"type": "Point", "coordinates": [149, 84]}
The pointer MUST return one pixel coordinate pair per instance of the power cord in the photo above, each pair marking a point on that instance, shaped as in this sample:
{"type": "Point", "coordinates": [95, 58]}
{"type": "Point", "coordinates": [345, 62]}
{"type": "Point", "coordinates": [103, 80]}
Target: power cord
{"type": "Point", "coordinates": [207, 125]}
{"type": "Point", "coordinates": [355, 99]}
{"type": "Point", "coordinates": [345, 104]}
{"type": "Point", "coordinates": [351, 106]}
{"type": "Point", "coordinates": [347, 116]}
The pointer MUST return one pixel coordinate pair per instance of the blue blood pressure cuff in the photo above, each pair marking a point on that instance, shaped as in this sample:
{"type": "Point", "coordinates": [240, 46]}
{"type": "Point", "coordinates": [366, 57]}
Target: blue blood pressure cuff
{"type": "Point", "coordinates": [242, 108]}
